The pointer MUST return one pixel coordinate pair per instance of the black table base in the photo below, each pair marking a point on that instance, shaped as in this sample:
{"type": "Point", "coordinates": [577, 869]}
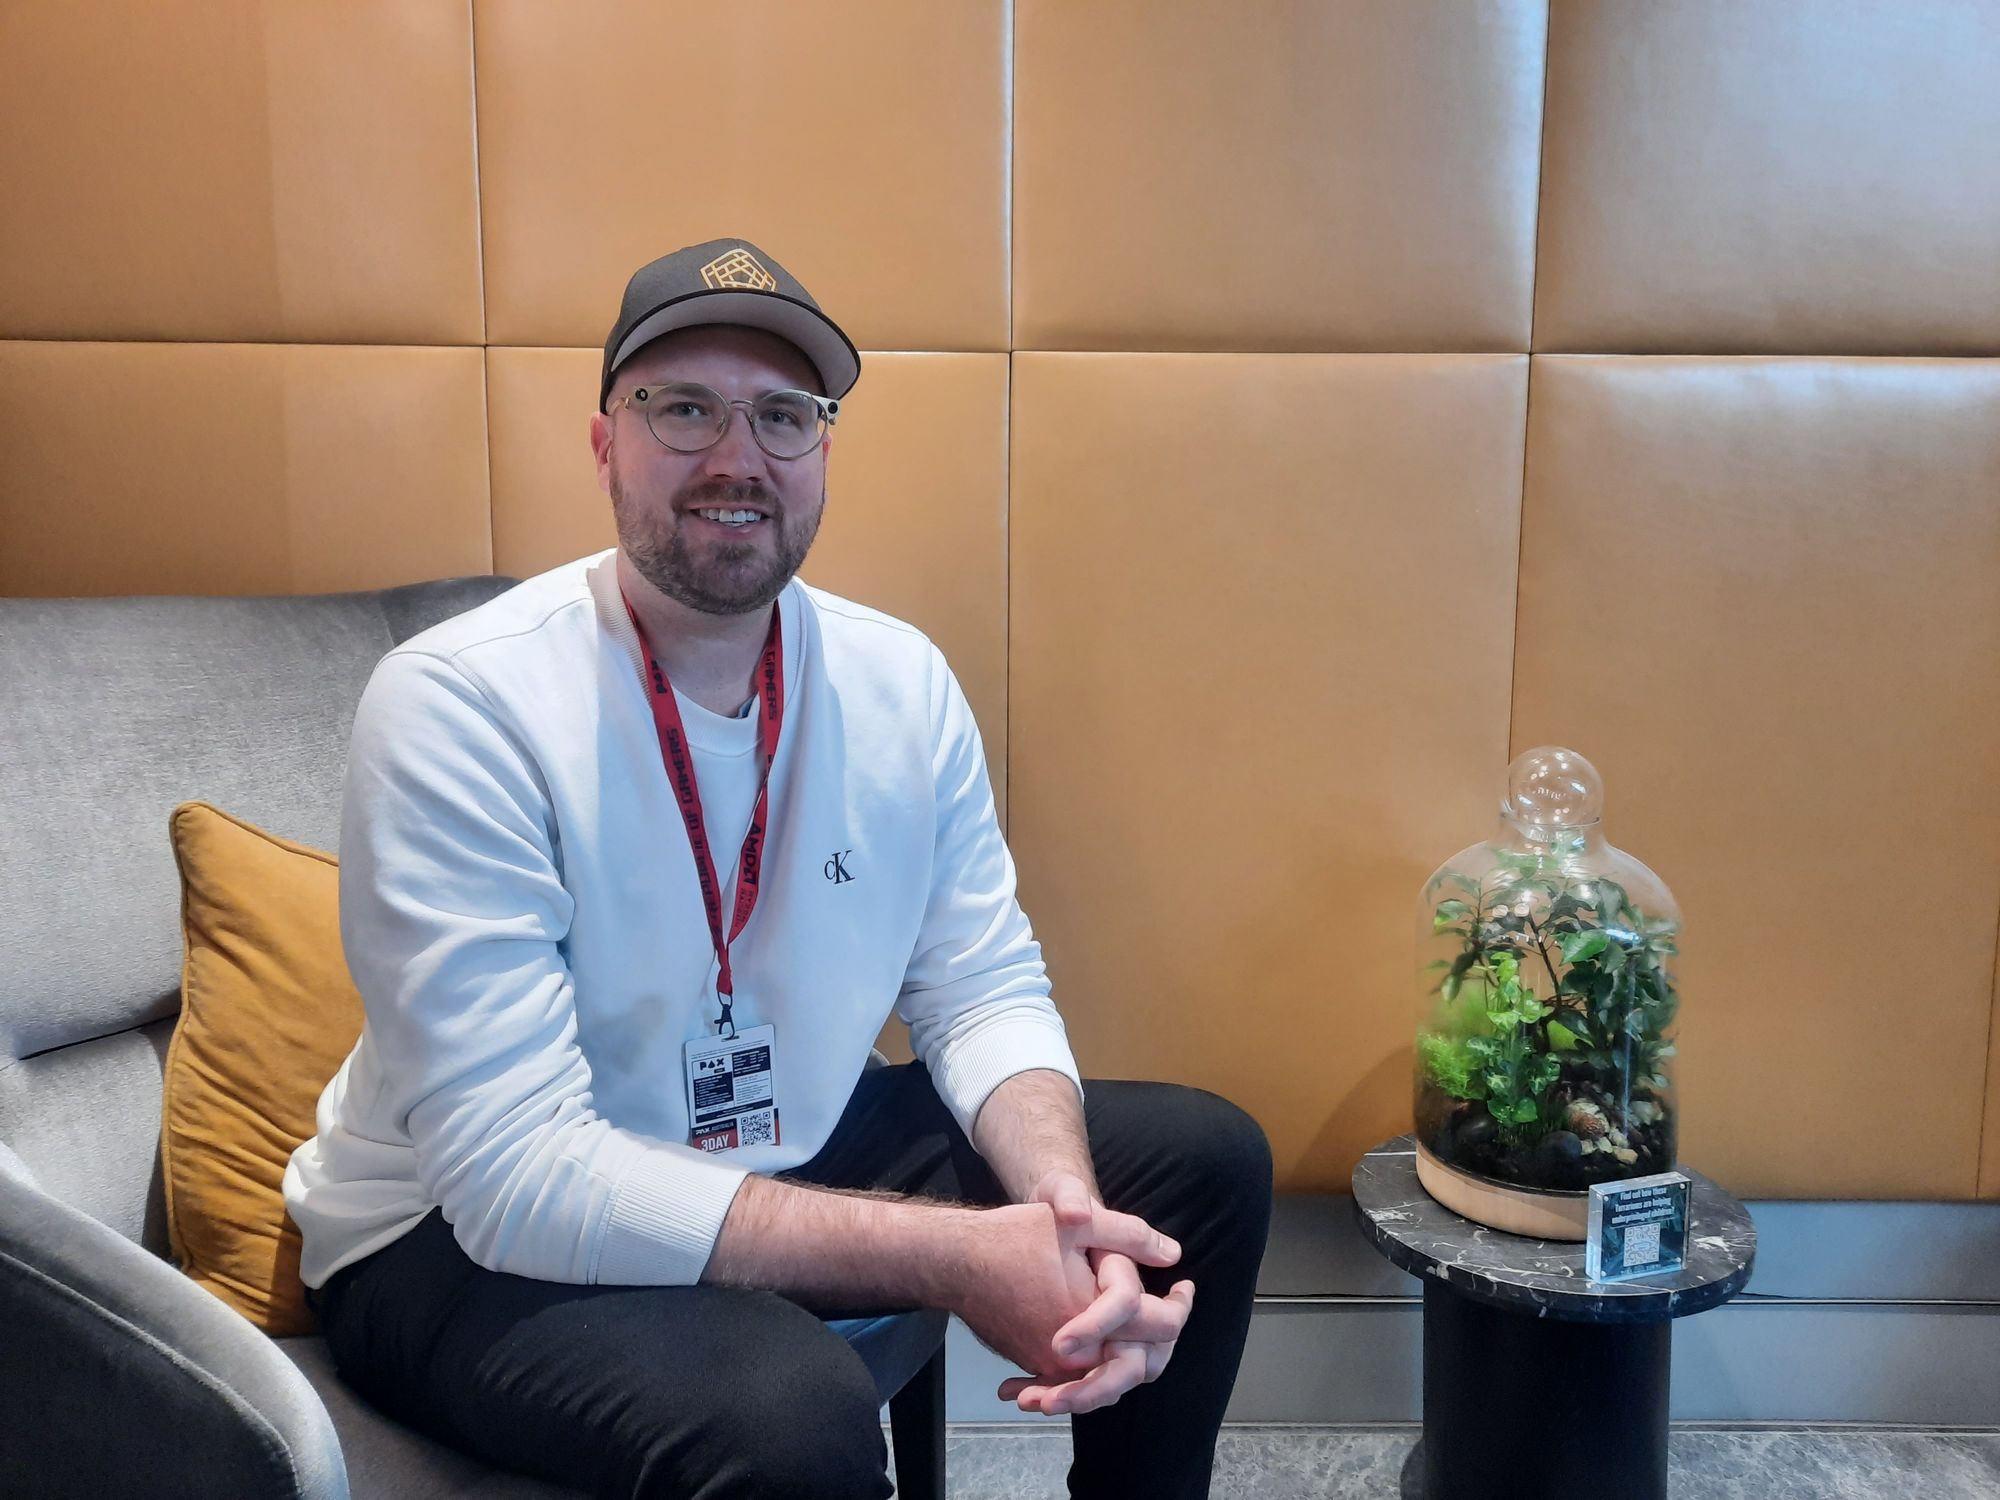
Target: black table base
{"type": "Point", "coordinates": [1539, 1383]}
{"type": "Point", "coordinates": [1525, 1408]}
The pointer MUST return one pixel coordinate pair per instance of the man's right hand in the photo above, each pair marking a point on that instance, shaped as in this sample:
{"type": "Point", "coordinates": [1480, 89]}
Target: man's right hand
{"type": "Point", "coordinates": [1025, 1276]}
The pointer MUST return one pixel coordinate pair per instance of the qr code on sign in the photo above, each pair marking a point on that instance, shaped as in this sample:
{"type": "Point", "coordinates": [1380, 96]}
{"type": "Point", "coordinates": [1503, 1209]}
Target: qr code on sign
{"type": "Point", "coordinates": [758, 1129]}
{"type": "Point", "coordinates": [1642, 1245]}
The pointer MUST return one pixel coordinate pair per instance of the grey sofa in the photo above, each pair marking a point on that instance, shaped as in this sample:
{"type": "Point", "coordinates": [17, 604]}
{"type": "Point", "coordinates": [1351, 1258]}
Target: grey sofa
{"type": "Point", "coordinates": [117, 1374]}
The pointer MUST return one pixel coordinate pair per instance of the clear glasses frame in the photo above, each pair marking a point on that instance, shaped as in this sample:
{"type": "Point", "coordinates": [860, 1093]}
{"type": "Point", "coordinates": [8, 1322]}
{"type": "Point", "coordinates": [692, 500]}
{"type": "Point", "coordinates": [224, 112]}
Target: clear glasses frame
{"type": "Point", "coordinates": [647, 400]}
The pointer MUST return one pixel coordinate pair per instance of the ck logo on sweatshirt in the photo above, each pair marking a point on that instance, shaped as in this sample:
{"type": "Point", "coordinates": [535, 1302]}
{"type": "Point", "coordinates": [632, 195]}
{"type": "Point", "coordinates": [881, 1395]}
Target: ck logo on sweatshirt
{"type": "Point", "coordinates": [835, 870]}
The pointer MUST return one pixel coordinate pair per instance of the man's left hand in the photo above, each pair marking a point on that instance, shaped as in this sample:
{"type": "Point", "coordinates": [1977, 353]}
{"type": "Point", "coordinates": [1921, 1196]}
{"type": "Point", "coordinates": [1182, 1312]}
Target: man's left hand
{"type": "Point", "coordinates": [1123, 1339]}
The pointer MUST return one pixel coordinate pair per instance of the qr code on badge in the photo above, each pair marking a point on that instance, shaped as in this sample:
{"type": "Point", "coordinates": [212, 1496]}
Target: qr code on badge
{"type": "Point", "coordinates": [1642, 1245]}
{"type": "Point", "coordinates": [759, 1129]}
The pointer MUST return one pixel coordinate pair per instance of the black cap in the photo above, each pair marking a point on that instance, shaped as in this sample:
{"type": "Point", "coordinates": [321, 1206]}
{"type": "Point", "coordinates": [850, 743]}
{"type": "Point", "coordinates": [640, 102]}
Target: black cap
{"type": "Point", "coordinates": [727, 281]}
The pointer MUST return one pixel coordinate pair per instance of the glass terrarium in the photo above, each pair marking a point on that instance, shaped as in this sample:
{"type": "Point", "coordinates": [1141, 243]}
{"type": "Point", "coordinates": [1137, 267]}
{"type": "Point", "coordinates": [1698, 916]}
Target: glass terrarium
{"type": "Point", "coordinates": [1545, 1023]}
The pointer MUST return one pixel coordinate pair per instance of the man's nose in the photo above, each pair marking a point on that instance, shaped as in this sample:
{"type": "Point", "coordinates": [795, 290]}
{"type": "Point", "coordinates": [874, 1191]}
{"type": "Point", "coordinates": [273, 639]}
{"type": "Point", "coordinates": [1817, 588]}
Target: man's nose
{"type": "Point", "coordinates": [735, 454]}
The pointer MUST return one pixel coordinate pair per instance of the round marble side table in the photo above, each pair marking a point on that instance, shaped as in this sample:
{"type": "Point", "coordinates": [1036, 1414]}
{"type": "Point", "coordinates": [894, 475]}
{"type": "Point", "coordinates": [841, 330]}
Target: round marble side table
{"type": "Point", "coordinates": [1540, 1384]}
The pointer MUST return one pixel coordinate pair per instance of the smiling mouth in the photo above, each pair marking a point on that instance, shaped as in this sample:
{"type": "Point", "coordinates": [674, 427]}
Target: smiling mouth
{"type": "Point", "coordinates": [735, 520]}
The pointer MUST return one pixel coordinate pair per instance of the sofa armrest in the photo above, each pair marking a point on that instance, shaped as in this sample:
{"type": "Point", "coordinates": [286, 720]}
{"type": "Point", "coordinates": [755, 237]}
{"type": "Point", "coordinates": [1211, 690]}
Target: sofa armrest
{"type": "Point", "coordinates": [119, 1376]}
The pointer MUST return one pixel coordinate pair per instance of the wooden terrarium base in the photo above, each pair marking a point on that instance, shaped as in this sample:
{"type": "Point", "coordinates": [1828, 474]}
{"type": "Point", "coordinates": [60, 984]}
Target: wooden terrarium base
{"type": "Point", "coordinates": [1538, 1213]}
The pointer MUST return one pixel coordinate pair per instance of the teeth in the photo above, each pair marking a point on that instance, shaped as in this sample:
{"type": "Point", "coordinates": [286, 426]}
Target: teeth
{"type": "Point", "coordinates": [730, 517]}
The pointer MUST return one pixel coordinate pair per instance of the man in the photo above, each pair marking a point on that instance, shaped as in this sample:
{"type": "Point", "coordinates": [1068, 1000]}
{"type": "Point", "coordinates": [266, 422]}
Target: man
{"type": "Point", "coordinates": [635, 860]}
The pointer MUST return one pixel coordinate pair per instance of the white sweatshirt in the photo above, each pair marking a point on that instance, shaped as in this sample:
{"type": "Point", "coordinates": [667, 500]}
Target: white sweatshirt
{"type": "Point", "coordinates": [520, 912]}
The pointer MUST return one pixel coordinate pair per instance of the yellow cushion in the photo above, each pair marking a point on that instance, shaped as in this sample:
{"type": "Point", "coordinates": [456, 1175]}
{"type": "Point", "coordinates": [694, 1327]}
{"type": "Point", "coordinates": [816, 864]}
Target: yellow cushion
{"type": "Point", "coordinates": [268, 1013]}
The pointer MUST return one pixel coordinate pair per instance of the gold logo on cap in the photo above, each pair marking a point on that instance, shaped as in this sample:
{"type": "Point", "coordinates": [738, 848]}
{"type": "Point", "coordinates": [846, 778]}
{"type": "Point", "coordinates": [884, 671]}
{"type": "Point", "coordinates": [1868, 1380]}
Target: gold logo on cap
{"type": "Point", "coordinates": [739, 270]}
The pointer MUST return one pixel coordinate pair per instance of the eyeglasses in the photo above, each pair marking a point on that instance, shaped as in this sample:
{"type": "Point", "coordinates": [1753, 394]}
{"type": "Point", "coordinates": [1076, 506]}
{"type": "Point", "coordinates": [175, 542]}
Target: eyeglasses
{"type": "Point", "coordinates": [690, 418]}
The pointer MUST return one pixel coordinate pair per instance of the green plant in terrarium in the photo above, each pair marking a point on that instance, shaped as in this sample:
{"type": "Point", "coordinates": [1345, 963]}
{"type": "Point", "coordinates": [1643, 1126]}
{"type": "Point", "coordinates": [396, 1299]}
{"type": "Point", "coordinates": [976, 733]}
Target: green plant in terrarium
{"type": "Point", "coordinates": [1605, 982]}
{"type": "Point", "coordinates": [1542, 1053]}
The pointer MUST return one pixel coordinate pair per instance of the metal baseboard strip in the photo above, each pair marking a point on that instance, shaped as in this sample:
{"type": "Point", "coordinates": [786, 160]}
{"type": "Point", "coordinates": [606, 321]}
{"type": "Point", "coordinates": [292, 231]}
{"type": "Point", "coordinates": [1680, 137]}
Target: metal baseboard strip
{"type": "Point", "coordinates": [1879, 1315]}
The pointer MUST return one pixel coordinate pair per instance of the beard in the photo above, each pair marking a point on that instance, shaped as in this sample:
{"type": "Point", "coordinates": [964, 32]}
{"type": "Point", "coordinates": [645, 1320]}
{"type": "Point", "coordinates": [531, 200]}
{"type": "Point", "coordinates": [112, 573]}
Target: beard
{"type": "Point", "coordinates": [722, 578]}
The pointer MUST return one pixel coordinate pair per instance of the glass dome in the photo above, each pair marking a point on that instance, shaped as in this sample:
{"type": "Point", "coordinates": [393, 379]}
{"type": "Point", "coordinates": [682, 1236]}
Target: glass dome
{"type": "Point", "coordinates": [1546, 1010]}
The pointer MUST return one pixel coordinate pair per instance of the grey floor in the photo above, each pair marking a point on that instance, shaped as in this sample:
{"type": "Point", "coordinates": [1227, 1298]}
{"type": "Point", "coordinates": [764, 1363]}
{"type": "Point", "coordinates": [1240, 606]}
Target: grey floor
{"type": "Point", "coordinates": [1002, 1462]}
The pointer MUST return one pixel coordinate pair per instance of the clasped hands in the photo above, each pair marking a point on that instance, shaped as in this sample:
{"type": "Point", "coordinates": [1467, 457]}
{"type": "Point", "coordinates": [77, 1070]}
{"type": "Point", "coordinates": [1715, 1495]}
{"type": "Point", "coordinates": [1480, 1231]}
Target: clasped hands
{"type": "Point", "coordinates": [1124, 1335]}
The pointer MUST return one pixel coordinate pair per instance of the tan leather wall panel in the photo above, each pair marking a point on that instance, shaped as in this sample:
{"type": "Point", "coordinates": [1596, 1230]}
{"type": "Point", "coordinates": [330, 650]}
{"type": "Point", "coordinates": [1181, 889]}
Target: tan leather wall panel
{"type": "Point", "coordinates": [1293, 175]}
{"type": "Point", "coordinates": [547, 507]}
{"type": "Point", "coordinates": [1785, 177]}
{"type": "Point", "coordinates": [1763, 596]}
{"type": "Point", "coordinates": [1989, 1156]}
{"type": "Point", "coordinates": [915, 522]}
{"type": "Point", "coordinates": [238, 468]}
{"type": "Point", "coordinates": [238, 169]}
{"type": "Point", "coordinates": [1262, 616]}
{"type": "Point", "coordinates": [1763, 593]}
{"type": "Point", "coordinates": [864, 146]}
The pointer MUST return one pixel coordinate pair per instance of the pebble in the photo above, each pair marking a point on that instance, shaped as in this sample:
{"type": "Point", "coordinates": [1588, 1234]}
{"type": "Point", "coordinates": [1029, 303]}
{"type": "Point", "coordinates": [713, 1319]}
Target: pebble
{"type": "Point", "coordinates": [1586, 1119]}
{"type": "Point", "coordinates": [1561, 1146]}
{"type": "Point", "coordinates": [1477, 1131]}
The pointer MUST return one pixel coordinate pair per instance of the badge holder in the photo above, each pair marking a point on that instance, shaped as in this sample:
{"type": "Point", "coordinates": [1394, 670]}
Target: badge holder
{"type": "Point", "coordinates": [731, 1098]}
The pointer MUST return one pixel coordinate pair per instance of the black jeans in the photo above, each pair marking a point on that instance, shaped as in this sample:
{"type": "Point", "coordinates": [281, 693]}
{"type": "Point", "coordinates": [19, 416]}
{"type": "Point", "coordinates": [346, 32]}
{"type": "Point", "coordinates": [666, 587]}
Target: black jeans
{"type": "Point", "coordinates": [707, 1392]}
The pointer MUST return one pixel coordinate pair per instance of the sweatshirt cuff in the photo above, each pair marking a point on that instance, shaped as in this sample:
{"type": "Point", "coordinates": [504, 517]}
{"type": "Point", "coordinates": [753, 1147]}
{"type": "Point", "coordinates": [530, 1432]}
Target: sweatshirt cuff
{"type": "Point", "coordinates": [664, 1222]}
{"type": "Point", "coordinates": [965, 1073]}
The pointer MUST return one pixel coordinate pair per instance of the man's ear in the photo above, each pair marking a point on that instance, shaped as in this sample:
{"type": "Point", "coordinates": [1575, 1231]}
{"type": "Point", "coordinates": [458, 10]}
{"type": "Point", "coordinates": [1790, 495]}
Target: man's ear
{"type": "Point", "coordinates": [600, 446]}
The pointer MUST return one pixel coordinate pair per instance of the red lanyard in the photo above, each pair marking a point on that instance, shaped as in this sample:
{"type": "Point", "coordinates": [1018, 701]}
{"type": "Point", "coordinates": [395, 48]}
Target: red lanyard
{"type": "Point", "coordinates": [680, 774]}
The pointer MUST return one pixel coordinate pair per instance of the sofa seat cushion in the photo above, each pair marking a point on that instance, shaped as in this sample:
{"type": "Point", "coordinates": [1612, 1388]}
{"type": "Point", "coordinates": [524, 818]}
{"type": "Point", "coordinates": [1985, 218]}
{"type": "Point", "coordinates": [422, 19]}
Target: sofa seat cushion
{"type": "Point", "coordinates": [387, 1459]}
